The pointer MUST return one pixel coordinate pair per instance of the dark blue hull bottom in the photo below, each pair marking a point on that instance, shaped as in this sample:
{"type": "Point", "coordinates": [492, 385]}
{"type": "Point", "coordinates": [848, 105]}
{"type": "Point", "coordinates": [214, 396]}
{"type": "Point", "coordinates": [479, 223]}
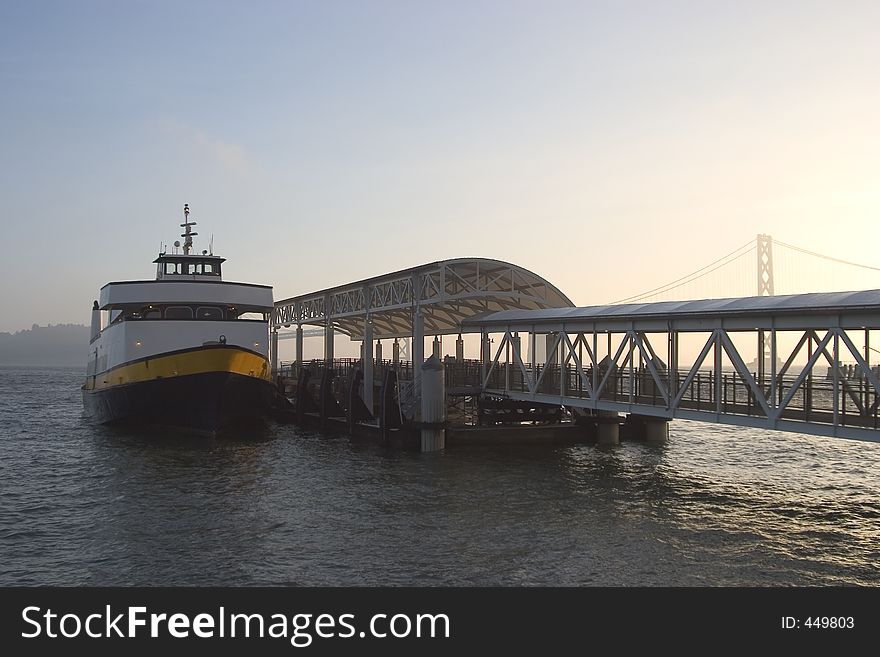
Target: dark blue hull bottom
{"type": "Point", "coordinates": [204, 403]}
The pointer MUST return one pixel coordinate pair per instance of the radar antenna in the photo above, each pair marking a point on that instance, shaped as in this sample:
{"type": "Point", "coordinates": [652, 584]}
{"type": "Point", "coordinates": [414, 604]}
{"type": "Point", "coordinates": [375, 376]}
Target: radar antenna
{"type": "Point", "coordinates": [187, 235]}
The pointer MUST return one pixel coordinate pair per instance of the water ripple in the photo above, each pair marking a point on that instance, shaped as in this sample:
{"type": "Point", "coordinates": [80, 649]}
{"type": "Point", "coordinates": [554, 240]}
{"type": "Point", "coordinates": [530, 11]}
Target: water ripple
{"type": "Point", "coordinates": [84, 504]}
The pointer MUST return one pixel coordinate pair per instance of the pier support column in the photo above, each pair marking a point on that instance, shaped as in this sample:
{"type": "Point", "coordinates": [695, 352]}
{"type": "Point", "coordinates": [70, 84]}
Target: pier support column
{"type": "Point", "coordinates": [299, 347]}
{"type": "Point", "coordinates": [328, 344]}
{"type": "Point", "coordinates": [656, 430]}
{"type": "Point", "coordinates": [459, 349]}
{"type": "Point", "coordinates": [273, 351]}
{"type": "Point", "coordinates": [378, 351]}
{"type": "Point", "coordinates": [368, 365]}
{"type": "Point", "coordinates": [609, 429]}
{"type": "Point", "coordinates": [395, 353]}
{"type": "Point", "coordinates": [437, 348]}
{"type": "Point", "coordinates": [433, 405]}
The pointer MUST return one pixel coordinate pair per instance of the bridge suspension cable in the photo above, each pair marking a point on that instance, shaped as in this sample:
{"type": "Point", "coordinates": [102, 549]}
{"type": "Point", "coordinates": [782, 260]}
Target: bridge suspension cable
{"type": "Point", "coordinates": [819, 255]}
{"type": "Point", "coordinates": [725, 260]}
{"type": "Point", "coordinates": [792, 275]}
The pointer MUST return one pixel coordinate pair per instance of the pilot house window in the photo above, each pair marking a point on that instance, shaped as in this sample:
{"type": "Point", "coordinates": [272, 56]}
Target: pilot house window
{"type": "Point", "coordinates": [190, 268]}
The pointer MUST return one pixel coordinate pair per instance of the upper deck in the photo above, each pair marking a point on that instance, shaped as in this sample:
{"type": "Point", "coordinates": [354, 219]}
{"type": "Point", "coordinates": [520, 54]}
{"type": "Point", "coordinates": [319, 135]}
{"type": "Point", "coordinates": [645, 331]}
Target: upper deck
{"type": "Point", "coordinates": [246, 297]}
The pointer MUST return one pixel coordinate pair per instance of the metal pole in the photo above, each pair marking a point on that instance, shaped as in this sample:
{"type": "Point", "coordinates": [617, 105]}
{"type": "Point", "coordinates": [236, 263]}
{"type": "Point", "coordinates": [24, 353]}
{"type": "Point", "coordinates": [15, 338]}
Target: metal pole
{"type": "Point", "coordinates": [580, 341]}
{"type": "Point", "coordinates": [273, 351]}
{"type": "Point", "coordinates": [533, 358]}
{"type": "Point", "coordinates": [865, 382]}
{"type": "Point", "coordinates": [632, 343]}
{"type": "Point", "coordinates": [418, 342]}
{"type": "Point", "coordinates": [484, 355]}
{"type": "Point", "coordinates": [299, 348]}
{"type": "Point", "coordinates": [328, 344]}
{"type": "Point", "coordinates": [328, 332]}
{"type": "Point", "coordinates": [507, 361]}
{"type": "Point", "coordinates": [808, 388]}
{"type": "Point", "coordinates": [563, 362]}
{"type": "Point", "coordinates": [772, 368]}
{"type": "Point", "coordinates": [836, 360]}
{"type": "Point", "coordinates": [718, 371]}
{"type": "Point", "coordinates": [762, 348]}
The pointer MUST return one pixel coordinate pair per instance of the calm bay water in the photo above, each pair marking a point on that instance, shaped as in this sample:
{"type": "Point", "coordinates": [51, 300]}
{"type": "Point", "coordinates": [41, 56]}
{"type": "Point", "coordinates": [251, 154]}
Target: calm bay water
{"type": "Point", "coordinates": [82, 504]}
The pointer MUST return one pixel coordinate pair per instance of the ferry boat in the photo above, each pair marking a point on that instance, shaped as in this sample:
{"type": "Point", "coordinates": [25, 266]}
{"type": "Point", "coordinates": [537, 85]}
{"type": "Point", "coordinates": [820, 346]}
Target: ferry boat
{"type": "Point", "coordinates": [186, 350]}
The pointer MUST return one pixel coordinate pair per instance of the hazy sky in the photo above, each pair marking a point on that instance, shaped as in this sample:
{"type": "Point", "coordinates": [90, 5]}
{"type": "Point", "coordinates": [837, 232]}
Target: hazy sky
{"type": "Point", "coordinates": [608, 146]}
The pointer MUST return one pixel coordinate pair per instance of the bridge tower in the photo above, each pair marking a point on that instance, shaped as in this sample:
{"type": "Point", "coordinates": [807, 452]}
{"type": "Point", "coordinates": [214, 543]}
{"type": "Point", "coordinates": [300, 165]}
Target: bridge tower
{"type": "Point", "coordinates": [765, 288]}
{"type": "Point", "coordinates": [765, 265]}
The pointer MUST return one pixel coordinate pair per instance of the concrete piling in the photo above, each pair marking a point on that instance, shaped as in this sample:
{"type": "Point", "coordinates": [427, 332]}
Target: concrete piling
{"type": "Point", "coordinates": [433, 405]}
{"type": "Point", "coordinates": [656, 430]}
{"type": "Point", "coordinates": [608, 429]}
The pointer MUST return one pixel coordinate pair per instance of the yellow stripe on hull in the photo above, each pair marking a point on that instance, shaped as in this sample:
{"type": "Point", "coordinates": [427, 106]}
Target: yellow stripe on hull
{"type": "Point", "coordinates": [184, 363]}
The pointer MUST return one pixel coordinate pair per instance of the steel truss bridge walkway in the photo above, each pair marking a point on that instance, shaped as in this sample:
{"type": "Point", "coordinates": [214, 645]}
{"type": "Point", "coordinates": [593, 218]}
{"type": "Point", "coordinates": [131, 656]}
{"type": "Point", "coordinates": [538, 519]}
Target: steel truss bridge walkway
{"type": "Point", "coordinates": [689, 360]}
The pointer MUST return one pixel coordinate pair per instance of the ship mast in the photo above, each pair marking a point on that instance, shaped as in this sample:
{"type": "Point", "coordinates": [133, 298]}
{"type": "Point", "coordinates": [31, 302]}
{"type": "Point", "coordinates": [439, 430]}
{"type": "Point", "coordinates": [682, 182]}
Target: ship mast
{"type": "Point", "coordinates": [188, 234]}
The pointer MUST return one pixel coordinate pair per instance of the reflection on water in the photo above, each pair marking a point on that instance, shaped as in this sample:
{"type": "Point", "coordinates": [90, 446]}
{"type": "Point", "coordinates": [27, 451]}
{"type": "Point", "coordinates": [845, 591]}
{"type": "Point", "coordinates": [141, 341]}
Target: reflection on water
{"type": "Point", "coordinates": [84, 504]}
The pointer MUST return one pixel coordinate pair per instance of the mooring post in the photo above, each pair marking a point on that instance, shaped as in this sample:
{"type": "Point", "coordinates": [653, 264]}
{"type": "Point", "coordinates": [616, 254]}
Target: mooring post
{"type": "Point", "coordinates": [433, 405]}
{"type": "Point", "coordinates": [389, 410]}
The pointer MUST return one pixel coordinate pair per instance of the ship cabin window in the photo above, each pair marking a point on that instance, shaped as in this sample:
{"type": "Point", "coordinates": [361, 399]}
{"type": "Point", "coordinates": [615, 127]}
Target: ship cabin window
{"type": "Point", "coordinates": [178, 312]}
{"type": "Point", "coordinates": [208, 268]}
{"type": "Point", "coordinates": [209, 312]}
{"type": "Point", "coordinates": [191, 267]}
{"type": "Point", "coordinates": [152, 313]}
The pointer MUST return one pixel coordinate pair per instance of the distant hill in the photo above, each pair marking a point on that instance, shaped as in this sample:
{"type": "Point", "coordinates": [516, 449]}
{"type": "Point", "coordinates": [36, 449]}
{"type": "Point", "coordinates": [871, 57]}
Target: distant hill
{"type": "Point", "coordinates": [62, 344]}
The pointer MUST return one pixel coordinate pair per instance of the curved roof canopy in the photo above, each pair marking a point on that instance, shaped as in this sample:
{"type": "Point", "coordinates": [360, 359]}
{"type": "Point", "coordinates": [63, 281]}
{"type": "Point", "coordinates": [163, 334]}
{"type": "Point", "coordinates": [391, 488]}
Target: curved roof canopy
{"type": "Point", "coordinates": [858, 308]}
{"type": "Point", "coordinates": [446, 292]}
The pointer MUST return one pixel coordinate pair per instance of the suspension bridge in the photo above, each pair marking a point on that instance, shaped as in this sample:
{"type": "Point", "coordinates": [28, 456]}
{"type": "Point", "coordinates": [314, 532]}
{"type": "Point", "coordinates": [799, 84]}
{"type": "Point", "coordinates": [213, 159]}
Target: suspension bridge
{"type": "Point", "coordinates": [764, 266]}
{"type": "Point", "coordinates": [773, 355]}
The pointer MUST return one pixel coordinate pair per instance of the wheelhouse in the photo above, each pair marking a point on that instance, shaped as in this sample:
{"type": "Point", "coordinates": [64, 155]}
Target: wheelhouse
{"type": "Point", "coordinates": [178, 267]}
